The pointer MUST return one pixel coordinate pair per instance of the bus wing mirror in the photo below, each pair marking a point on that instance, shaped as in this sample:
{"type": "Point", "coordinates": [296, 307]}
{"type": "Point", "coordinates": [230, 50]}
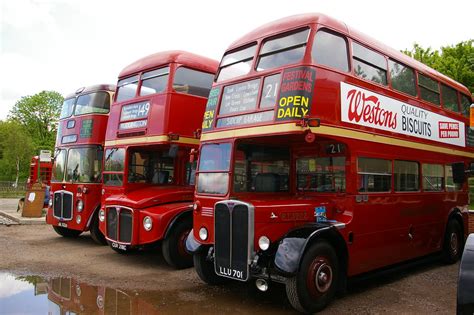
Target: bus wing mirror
{"type": "Point", "coordinates": [459, 173]}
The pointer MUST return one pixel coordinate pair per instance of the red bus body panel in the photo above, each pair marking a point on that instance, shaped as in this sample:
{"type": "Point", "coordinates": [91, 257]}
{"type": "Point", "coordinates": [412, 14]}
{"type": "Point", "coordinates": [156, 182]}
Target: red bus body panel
{"type": "Point", "coordinates": [380, 224]}
{"type": "Point", "coordinates": [171, 114]}
{"type": "Point", "coordinates": [89, 193]}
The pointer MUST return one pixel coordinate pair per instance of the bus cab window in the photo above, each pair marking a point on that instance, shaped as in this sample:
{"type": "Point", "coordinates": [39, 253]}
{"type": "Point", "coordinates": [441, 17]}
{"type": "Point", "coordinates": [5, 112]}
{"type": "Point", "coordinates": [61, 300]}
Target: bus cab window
{"type": "Point", "coordinates": [261, 169]}
{"type": "Point", "coordinates": [375, 175]}
{"type": "Point", "coordinates": [321, 174]}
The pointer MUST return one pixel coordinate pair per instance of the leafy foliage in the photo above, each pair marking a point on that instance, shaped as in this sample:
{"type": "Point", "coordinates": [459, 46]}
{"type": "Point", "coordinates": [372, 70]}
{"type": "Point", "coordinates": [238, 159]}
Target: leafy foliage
{"type": "Point", "coordinates": [38, 114]}
{"type": "Point", "coordinates": [457, 61]}
{"type": "Point", "coordinates": [16, 146]}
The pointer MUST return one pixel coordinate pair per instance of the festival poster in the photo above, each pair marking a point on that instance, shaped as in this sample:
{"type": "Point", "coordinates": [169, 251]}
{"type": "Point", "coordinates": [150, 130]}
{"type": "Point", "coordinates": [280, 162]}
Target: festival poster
{"type": "Point", "coordinates": [296, 93]}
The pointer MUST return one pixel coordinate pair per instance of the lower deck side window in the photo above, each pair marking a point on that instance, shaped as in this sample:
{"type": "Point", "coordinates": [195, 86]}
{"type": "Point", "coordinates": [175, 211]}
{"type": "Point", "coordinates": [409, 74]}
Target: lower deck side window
{"type": "Point", "coordinates": [433, 177]}
{"type": "Point", "coordinates": [374, 175]}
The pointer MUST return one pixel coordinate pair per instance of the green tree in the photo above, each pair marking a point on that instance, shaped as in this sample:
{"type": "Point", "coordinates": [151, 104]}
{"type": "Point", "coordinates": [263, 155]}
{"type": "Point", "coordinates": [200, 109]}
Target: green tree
{"type": "Point", "coordinates": [16, 150]}
{"type": "Point", "coordinates": [457, 61]}
{"type": "Point", "coordinates": [39, 114]}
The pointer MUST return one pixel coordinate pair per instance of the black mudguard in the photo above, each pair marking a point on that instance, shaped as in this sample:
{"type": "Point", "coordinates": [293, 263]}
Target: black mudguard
{"type": "Point", "coordinates": [192, 246]}
{"type": "Point", "coordinates": [294, 243]}
{"type": "Point", "coordinates": [465, 303]}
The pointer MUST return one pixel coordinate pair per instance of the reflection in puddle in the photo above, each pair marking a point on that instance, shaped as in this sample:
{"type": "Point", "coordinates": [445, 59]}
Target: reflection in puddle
{"type": "Point", "coordinates": [37, 295]}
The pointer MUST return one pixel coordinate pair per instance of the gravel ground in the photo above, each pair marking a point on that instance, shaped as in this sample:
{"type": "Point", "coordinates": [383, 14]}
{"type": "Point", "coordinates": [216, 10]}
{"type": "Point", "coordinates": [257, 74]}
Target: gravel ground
{"type": "Point", "coordinates": [6, 221]}
{"type": "Point", "coordinates": [36, 250]}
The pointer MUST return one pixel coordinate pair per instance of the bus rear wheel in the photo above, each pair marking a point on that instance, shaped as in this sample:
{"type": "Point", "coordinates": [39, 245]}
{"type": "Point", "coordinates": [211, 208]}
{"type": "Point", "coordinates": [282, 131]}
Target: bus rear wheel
{"type": "Point", "coordinates": [174, 245]}
{"type": "Point", "coordinates": [65, 232]}
{"type": "Point", "coordinates": [205, 268]}
{"type": "Point", "coordinates": [96, 234]}
{"type": "Point", "coordinates": [314, 286]}
{"type": "Point", "coordinates": [452, 245]}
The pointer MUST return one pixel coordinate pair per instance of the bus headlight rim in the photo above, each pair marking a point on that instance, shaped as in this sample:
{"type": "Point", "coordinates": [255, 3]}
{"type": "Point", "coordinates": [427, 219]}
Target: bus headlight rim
{"type": "Point", "coordinates": [147, 223]}
{"type": "Point", "coordinates": [101, 215]}
{"type": "Point", "coordinates": [264, 243]}
{"type": "Point", "coordinates": [203, 234]}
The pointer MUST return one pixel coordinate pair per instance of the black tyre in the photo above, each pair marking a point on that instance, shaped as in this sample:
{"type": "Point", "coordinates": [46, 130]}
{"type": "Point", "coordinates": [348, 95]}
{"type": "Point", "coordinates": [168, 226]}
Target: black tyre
{"type": "Point", "coordinates": [314, 286]}
{"type": "Point", "coordinates": [205, 268]}
{"type": "Point", "coordinates": [453, 242]}
{"type": "Point", "coordinates": [96, 234]}
{"type": "Point", "coordinates": [174, 245]}
{"type": "Point", "coordinates": [65, 232]}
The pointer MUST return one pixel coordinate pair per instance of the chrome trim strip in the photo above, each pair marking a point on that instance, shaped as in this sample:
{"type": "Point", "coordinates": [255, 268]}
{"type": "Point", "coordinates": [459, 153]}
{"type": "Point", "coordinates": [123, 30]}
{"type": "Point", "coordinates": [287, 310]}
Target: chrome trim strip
{"type": "Point", "coordinates": [62, 218]}
{"type": "Point", "coordinates": [118, 224]}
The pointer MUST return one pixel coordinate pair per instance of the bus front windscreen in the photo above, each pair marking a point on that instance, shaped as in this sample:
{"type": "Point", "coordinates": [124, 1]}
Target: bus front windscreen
{"type": "Point", "coordinates": [59, 165]}
{"type": "Point", "coordinates": [84, 165]}
{"type": "Point", "coordinates": [214, 165]}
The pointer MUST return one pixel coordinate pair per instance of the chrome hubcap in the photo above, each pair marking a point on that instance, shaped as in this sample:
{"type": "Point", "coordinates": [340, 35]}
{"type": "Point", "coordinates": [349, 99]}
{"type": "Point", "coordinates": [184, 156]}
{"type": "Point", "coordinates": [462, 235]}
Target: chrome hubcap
{"type": "Point", "coordinates": [323, 278]}
{"type": "Point", "coordinates": [454, 243]}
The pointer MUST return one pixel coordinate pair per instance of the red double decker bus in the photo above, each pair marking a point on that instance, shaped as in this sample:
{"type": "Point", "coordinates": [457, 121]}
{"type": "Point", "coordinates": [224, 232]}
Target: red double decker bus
{"type": "Point", "coordinates": [148, 179]}
{"type": "Point", "coordinates": [77, 170]}
{"type": "Point", "coordinates": [324, 155]}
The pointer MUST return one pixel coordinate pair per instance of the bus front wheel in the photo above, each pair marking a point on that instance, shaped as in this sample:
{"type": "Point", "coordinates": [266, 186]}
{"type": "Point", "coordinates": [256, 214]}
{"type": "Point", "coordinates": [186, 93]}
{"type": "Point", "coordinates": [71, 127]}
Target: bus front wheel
{"type": "Point", "coordinates": [314, 286]}
{"type": "Point", "coordinates": [205, 268]}
{"type": "Point", "coordinates": [452, 245]}
{"type": "Point", "coordinates": [96, 234]}
{"type": "Point", "coordinates": [174, 245]}
{"type": "Point", "coordinates": [65, 232]}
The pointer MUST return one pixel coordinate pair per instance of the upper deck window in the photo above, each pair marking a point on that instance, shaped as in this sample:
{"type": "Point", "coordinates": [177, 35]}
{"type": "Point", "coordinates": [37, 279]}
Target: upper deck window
{"type": "Point", "coordinates": [465, 104]}
{"type": "Point", "coordinates": [127, 88]}
{"type": "Point", "coordinates": [450, 98]}
{"type": "Point", "coordinates": [236, 63]}
{"type": "Point", "coordinates": [68, 108]}
{"type": "Point", "coordinates": [193, 82]}
{"type": "Point", "coordinates": [402, 77]}
{"type": "Point", "coordinates": [330, 50]}
{"type": "Point", "coordinates": [429, 89]}
{"type": "Point", "coordinates": [283, 50]}
{"type": "Point", "coordinates": [154, 81]}
{"type": "Point", "coordinates": [98, 102]}
{"type": "Point", "coordinates": [368, 64]}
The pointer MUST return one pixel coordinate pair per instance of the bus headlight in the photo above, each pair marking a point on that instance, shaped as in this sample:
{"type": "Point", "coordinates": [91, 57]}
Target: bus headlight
{"type": "Point", "coordinates": [101, 215]}
{"type": "Point", "coordinates": [147, 223]}
{"type": "Point", "coordinates": [263, 243]}
{"type": "Point", "coordinates": [50, 202]}
{"type": "Point", "coordinates": [78, 219]}
{"type": "Point", "coordinates": [203, 233]}
{"type": "Point", "coordinates": [80, 205]}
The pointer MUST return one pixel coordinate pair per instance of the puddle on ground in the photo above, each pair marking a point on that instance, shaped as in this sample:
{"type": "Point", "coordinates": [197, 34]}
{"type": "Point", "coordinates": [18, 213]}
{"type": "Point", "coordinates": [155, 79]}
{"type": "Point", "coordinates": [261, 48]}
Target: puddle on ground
{"type": "Point", "coordinates": [38, 295]}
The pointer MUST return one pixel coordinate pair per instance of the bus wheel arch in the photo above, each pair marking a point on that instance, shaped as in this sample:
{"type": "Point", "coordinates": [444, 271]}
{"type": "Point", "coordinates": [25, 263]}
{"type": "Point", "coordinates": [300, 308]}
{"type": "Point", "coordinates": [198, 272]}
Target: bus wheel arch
{"type": "Point", "coordinates": [174, 241]}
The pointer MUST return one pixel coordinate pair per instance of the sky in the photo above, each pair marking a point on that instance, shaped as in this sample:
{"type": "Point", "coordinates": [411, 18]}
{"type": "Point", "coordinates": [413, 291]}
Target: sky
{"type": "Point", "coordinates": [63, 45]}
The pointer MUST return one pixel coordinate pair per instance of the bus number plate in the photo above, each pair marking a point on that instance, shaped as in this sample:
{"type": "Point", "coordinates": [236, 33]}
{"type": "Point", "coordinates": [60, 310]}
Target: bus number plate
{"type": "Point", "coordinates": [232, 273]}
{"type": "Point", "coordinates": [62, 224]}
{"type": "Point", "coordinates": [119, 246]}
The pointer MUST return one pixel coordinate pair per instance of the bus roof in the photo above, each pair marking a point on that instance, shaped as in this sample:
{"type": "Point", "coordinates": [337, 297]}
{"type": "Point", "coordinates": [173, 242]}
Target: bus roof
{"type": "Point", "coordinates": [166, 57]}
{"type": "Point", "coordinates": [296, 21]}
{"type": "Point", "coordinates": [92, 88]}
